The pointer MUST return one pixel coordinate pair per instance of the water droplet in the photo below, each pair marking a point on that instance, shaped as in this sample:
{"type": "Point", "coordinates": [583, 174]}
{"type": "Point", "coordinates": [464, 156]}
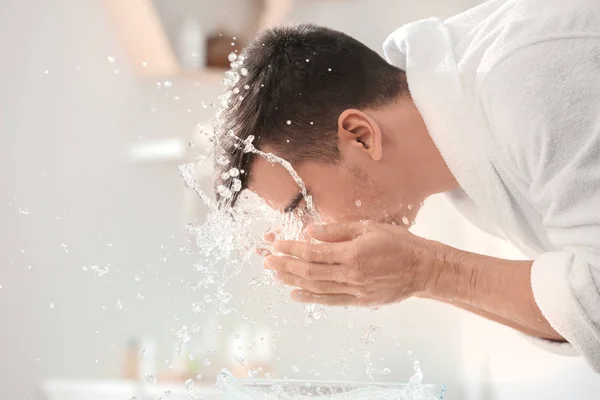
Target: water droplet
{"type": "Point", "coordinates": [168, 84]}
{"type": "Point", "coordinates": [410, 206]}
{"type": "Point", "coordinates": [329, 69]}
{"type": "Point", "coordinates": [236, 185]}
{"type": "Point", "coordinates": [288, 122]}
{"type": "Point", "coordinates": [385, 371]}
{"type": "Point", "coordinates": [358, 203]}
{"type": "Point", "coordinates": [295, 368]}
{"type": "Point", "coordinates": [144, 64]}
{"type": "Point", "coordinates": [241, 360]}
{"type": "Point", "coordinates": [99, 271]}
{"type": "Point", "coordinates": [207, 361]}
{"type": "Point", "coordinates": [143, 352]}
{"type": "Point", "coordinates": [234, 172]}
{"type": "Point", "coordinates": [119, 304]}
{"type": "Point", "coordinates": [111, 59]}
{"type": "Point", "coordinates": [232, 57]}
{"type": "Point", "coordinates": [46, 72]}
{"type": "Point", "coordinates": [246, 87]}
{"type": "Point", "coordinates": [189, 384]}
{"type": "Point", "coordinates": [23, 211]}
{"type": "Point", "coordinates": [140, 296]}
{"type": "Point", "coordinates": [51, 305]}
{"type": "Point", "coordinates": [136, 278]}
{"type": "Point", "coordinates": [312, 123]}
{"type": "Point", "coordinates": [232, 44]}
{"type": "Point", "coordinates": [150, 378]}
{"type": "Point", "coordinates": [405, 221]}
{"type": "Point", "coordinates": [116, 72]}
{"type": "Point", "coordinates": [164, 257]}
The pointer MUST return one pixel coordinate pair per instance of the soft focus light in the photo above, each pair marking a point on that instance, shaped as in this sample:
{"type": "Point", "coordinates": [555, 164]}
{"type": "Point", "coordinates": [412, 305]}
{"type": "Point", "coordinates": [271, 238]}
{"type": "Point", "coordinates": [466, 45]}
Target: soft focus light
{"type": "Point", "coordinates": [158, 150]}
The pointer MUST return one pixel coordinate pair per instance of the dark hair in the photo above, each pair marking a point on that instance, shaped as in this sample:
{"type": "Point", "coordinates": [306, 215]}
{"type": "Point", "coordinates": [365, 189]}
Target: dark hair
{"type": "Point", "coordinates": [287, 89]}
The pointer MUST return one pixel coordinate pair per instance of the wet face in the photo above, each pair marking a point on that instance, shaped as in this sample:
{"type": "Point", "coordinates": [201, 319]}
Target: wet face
{"type": "Point", "coordinates": [339, 195]}
{"type": "Point", "coordinates": [378, 177]}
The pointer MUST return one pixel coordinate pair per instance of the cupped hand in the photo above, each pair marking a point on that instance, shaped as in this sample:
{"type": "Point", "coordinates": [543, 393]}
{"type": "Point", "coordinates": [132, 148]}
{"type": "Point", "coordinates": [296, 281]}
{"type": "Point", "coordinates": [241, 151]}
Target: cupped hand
{"type": "Point", "coordinates": [365, 264]}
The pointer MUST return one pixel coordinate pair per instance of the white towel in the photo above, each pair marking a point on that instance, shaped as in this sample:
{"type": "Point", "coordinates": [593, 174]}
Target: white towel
{"type": "Point", "coordinates": [510, 93]}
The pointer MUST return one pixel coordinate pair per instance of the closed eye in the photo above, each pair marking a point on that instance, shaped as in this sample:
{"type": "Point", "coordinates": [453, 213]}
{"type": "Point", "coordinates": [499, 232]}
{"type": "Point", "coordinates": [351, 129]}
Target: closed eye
{"type": "Point", "coordinates": [293, 205]}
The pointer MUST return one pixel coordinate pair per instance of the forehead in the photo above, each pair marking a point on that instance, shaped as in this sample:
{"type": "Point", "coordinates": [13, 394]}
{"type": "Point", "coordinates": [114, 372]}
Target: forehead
{"type": "Point", "coordinates": [272, 182]}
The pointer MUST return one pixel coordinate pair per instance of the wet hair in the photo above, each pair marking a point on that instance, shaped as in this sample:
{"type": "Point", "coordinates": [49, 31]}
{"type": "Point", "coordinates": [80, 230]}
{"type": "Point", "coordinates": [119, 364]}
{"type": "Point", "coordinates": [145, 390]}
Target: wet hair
{"type": "Point", "coordinates": [287, 90]}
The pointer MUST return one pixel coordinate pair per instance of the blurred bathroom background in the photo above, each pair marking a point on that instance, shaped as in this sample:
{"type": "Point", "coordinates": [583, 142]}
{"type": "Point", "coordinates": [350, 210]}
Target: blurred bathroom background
{"type": "Point", "coordinates": [99, 100]}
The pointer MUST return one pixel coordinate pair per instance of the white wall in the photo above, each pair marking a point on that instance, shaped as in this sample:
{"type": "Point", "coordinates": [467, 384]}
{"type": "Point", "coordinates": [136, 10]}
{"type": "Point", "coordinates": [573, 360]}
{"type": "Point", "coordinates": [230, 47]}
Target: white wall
{"type": "Point", "coordinates": [64, 138]}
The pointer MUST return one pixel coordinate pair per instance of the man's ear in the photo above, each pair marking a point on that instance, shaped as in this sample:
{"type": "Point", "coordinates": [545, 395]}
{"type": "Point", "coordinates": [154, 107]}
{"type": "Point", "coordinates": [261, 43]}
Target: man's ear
{"type": "Point", "coordinates": [360, 132]}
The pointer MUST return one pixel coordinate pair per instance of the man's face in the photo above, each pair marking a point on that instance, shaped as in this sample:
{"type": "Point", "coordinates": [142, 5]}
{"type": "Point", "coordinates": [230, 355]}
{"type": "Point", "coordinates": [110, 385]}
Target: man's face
{"type": "Point", "coordinates": [340, 192]}
{"type": "Point", "coordinates": [379, 176]}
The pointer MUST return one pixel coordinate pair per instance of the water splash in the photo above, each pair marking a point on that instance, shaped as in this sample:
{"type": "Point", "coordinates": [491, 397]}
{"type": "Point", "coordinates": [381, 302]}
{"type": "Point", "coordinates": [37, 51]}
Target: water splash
{"type": "Point", "coordinates": [249, 148]}
{"type": "Point", "coordinates": [226, 240]}
{"type": "Point", "coordinates": [269, 389]}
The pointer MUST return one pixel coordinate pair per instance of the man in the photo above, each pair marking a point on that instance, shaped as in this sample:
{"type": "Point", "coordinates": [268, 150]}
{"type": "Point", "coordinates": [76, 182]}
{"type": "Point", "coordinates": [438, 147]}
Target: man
{"type": "Point", "coordinates": [498, 108]}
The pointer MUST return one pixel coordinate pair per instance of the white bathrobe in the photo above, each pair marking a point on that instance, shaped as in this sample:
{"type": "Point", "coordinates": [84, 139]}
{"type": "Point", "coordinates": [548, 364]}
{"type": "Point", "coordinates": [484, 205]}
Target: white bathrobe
{"type": "Point", "coordinates": [510, 93]}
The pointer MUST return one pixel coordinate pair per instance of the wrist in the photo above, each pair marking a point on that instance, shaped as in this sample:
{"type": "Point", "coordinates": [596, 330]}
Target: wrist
{"type": "Point", "coordinates": [453, 275]}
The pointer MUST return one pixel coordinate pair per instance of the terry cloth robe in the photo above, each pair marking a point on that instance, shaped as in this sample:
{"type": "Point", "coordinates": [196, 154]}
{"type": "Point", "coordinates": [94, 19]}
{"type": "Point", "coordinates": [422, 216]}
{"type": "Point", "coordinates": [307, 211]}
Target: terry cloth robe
{"type": "Point", "coordinates": [510, 93]}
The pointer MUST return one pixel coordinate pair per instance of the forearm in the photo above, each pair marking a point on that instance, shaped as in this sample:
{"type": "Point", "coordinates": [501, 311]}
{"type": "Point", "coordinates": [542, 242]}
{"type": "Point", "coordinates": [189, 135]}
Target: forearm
{"type": "Point", "coordinates": [494, 288]}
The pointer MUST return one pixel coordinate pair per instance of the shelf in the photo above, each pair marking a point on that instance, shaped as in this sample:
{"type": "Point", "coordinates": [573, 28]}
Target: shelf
{"type": "Point", "coordinates": [146, 44]}
{"type": "Point", "coordinates": [158, 150]}
{"type": "Point", "coordinates": [210, 76]}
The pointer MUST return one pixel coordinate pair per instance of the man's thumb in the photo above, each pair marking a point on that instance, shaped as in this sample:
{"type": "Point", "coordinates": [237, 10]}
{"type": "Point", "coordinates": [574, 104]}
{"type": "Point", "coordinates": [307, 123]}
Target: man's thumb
{"type": "Point", "coordinates": [336, 232]}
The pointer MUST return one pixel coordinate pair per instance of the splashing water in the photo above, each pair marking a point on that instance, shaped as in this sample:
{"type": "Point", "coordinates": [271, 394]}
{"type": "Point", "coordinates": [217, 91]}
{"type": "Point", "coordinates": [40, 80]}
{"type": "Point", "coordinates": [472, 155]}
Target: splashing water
{"type": "Point", "coordinates": [312, 212]}
{"type": "Point", "coordinates": [257, 389]}
{"type": "Point", "coordinates": [225, 242]}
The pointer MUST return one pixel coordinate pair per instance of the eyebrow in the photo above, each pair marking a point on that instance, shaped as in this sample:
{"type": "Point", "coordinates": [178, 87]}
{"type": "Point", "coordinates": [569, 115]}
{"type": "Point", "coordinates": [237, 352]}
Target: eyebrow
{"type": "Point", "coordinates": [294, 203]}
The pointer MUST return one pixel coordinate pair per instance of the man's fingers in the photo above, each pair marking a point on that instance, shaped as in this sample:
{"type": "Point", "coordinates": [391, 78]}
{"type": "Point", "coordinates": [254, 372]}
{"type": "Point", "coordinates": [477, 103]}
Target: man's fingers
{"type": "Point", "coordinates": [324, 253]}
{"type": "Point", "coordinates": [261, 251]}
{"type": "Point", "coordinates": [304, 296]}
{"type": "Point", "coordinates": [269, 237]}
{"type": "Point", "coordinates": [314, 286]}
{"type": "Point", "coordinates": [337, 232]}
{"type": "Point", "coordinates": [307, 270]}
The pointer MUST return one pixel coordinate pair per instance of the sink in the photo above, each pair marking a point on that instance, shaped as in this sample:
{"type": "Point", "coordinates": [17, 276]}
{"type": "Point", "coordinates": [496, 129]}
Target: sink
{"type": "Point", "coordinates": [283, 389]}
